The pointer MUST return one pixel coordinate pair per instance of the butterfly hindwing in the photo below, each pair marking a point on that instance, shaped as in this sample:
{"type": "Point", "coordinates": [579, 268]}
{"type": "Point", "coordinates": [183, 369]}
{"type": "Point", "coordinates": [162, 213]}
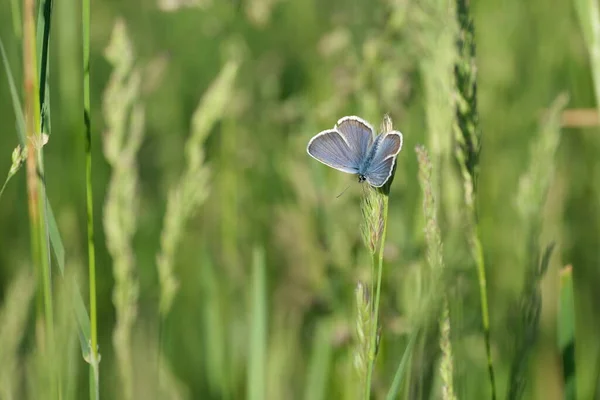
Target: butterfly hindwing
{"type": "Point", "coordinates": [380, 168]}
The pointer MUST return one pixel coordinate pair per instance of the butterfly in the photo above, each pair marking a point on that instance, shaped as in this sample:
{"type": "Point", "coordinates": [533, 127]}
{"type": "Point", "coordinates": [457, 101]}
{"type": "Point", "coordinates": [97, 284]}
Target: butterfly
{"type": "Point", "coordinates": [351, 147]}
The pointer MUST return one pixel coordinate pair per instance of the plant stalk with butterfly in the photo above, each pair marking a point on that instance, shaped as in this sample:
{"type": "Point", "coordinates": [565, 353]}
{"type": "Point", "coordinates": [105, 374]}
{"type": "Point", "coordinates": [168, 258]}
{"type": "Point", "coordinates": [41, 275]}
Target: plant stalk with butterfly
{"type": "Point", "coordinates": [351, 147]}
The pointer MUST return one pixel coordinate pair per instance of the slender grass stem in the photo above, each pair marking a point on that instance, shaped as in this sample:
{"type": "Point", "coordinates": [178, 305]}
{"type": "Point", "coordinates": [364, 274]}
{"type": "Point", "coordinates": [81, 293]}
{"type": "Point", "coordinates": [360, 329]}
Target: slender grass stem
{"type": "Point", "coordinates": [479, 259]}
{"type": "Point", "coordinates": [4, 186]}
{"type": "Point", "coordinates": [35, 184]}
{"type": "Point", "coordinates": [94, 372]}
{"type": "Point", "coordinates": [477, 252]}
{"type": "Point", "coordinates": [373, 334]}
{"type": "Point", "coordinates": [44, 22]}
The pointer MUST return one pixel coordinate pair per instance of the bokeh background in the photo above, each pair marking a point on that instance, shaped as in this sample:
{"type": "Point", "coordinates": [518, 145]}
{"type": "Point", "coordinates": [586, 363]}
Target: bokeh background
{"type": "Point", "coordinates": [293, 67]}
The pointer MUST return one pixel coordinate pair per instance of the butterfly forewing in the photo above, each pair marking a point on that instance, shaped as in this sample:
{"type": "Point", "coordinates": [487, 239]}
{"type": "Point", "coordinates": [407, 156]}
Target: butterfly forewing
{"type": "Point", "coordinates": [380, 168]}
{"type": "Point", "coordinates": [358, 134]}
{"type": "Point", "coordinates": [332, 149]}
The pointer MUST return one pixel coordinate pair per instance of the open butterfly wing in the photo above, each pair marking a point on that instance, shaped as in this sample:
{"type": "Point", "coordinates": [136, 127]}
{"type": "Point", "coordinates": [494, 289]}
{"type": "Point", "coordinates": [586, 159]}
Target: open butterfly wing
{"type": "Point", "coordinates": [381, 167]}
{"type": "Point", "coordinates": [358, 134]}
{"type": "Point", "coordinates": [332, 149]}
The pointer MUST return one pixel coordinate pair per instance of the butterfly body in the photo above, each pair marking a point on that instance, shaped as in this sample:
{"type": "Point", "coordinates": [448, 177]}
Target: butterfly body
{"type": "Point", "coordinates": [366, 163]}
{"type": "Point", "coordinates": [352, 148]}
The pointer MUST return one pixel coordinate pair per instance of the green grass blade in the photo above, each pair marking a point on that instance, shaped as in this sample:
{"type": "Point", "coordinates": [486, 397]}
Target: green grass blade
{"type": "Point", "coordinates": [14, 97]}
{"type": "Point", "coordinates": [256, 384]}
{"type": "Point", "coordinates": [43, 41]}
{"type": "Point", "coordinates": [401, 370]}
{"type": "Point", "coordinates": [39, 33]}
{"type": "Point", "coordinates": [566, 331]}
{"type": "Point", "coordinates": [94, 356]}
{"type": "Point", "coordinates": [83, 319]}
{"type": "Point", "coordinates": [56, 241]}
{"type": "Point", "coordinates": [320, 363]}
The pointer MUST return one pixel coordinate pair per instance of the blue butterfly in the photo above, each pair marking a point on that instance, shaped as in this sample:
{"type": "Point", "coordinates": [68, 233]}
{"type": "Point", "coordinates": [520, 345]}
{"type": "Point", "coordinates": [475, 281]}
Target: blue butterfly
{"type": "Point", "coordinates": [352, 148]}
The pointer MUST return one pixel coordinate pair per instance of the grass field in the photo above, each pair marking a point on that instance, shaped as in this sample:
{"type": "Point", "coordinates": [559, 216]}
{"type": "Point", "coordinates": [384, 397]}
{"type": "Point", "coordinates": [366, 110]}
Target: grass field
{"type": "Point", "coordinates": [164, 235]}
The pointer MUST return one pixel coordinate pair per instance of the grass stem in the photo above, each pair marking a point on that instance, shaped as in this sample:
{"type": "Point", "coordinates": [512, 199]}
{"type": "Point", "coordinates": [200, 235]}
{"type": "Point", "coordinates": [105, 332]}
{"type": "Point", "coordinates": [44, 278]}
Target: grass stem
{"type": "Point", "coordinates": [373, 334]}
{"type": "Point", "coordinates": [35, 184]}
{"type": "Point", "coordinates": [94, 358]}
{"type": "Point", "coordinates": [479, 259]}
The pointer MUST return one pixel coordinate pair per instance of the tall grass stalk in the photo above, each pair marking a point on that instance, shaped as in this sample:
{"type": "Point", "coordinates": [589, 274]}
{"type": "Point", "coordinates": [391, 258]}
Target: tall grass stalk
{"type": "Point", "coordinates": [35, 186]}
{"type": "Point", "coordinates": [437, 33]}
{"type": "Point", "coordinates": [531, 197]}
{"type": "Point", "coordinates": [191, 190]}
{"type": "Point", "coordinates": [435, 259]}
{"type": "Point", "coordinates": [193, 186]}
{"type": "Point", "coordinates": [439, 181]}
{"type": "Point", "coordinates": [468, 146]}
{"type": "Point", "coordinates": [42, 49]}
{"type": "Point", "coordinates": [94, 359]}
{"type": "Point", "coordinates": [375, 213]}
{"type": "Point", "coordinates": [124, 116]}
{"type": "Point", "coordinates": [378, 260]}
{"type": "Point", "coordinates": [535, 182]}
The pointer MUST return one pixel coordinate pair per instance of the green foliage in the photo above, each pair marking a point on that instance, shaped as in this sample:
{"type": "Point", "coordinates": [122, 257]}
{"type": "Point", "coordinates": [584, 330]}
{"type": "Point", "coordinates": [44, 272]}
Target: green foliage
{"type": "Point", "coordinates": [231, 93]}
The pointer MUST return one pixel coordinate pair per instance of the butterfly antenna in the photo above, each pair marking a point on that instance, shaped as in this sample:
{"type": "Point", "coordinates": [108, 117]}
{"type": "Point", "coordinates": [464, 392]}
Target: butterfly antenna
{"type": "Point", "coordinates": [344, 191]}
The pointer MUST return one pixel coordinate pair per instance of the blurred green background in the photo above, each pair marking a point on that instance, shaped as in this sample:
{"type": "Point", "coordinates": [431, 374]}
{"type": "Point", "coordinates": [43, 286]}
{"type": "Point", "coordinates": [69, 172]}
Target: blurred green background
{"type": "Point", "coordinates": [302, 65]}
